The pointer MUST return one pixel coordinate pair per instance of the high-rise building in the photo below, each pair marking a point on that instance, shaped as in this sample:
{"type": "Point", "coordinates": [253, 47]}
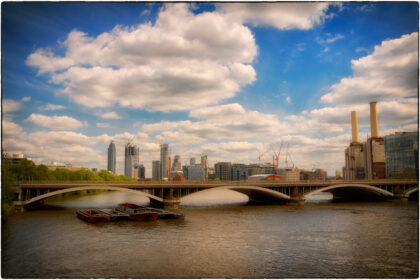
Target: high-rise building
{"type": "Point", "coordinates": [112, 157]}
{"type": "Point", "coordinates": [131, 160]}
{"type": "Point", "coordinates": [156, 170]}
{"type": "Point", "coordinates": [204, 163]}
{"type": "Point", "coordinates": [192, 161]}
{"type": "Point", "coordinates": [164, 161]}
{"type": "Point", "coordinates": [401, 155]}
{"type": "Point", "coordinates": [142, 172]}
{"type": "Point", "coordinates": [176, 165]}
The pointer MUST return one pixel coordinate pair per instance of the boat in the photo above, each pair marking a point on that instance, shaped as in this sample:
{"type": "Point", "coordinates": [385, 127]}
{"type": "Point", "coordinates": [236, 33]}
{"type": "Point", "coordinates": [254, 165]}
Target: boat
{"type": "Point", "coordinates": [115, 215]}
{"type": "Point", "coordinates": [93, 215]}
{"type": "Point", "coordinates": [137, 213]}
{"type": "Point", "coordinates": [163, 214]}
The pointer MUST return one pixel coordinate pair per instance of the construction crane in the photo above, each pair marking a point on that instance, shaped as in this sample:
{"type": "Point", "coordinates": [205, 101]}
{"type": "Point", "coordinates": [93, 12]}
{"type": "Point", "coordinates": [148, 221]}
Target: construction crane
{"type": "Point", "coordinates": [288, 156]}
{"type": "Point", "coordinates": [260, 156]}
{"type": "Point", "coordinates": [276, 152]}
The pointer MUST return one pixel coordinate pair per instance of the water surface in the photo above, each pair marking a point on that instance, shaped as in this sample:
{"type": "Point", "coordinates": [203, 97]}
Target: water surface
{"type": "Point", "coordinates": [357, 240]}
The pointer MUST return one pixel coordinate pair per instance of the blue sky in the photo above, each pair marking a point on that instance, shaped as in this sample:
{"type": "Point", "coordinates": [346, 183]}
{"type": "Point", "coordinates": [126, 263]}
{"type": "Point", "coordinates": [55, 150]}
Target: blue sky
{"type": "Point", "coordinates": [225, 80]}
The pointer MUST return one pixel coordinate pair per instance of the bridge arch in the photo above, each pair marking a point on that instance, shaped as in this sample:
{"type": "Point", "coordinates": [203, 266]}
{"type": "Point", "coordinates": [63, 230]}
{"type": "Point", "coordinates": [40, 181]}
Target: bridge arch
{"type": "Point", "coordinates": [254, 193]}
{"type": "Point", "coordinates": [364, 187]}
{"type": "Point", "coordinates": [84, 188]}
{"type": "Point", "coordinates": [410, 191]}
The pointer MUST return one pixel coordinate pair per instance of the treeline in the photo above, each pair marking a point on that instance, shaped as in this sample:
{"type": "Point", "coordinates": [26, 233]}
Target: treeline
{"type": "Point", "coordinates": [26, 170]}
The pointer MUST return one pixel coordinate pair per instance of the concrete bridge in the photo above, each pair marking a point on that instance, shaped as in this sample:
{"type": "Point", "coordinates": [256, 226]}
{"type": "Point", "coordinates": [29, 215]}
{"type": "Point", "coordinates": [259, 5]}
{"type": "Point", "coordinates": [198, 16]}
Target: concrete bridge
{"type": "Point", "coordinates": [169, 194]}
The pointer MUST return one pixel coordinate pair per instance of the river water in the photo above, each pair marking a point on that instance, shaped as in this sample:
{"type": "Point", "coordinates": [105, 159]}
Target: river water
{"type": "Point", "coordinates": [316, 240]}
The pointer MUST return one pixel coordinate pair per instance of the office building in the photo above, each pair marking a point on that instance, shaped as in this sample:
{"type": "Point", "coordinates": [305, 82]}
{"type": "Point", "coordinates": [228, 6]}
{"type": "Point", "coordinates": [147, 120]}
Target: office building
{"type": "Point", "coordinates": [223, 170]}
{"type": "Point", "coordinates": [316, 175]}
{"type": "Point", "coordinates": [401, 155]}
{"type": "Point", "coordinates": [131, 160]}
{"type": "Point", "coordinates": [156, 170]}
{"type": "Point", "coordinates": [112, 157]}
{"type": "Point", "coordinates": [196, 172]}
{"type": "Point", "coordinates": [205, 164]}
{"type": "Point", "coordinates": [164, 161]}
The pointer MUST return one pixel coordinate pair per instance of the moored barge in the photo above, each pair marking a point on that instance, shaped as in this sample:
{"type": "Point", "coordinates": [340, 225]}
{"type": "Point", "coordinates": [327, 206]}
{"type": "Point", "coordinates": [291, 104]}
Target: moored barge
{"type": "Point", "coordinates": [93, 215]}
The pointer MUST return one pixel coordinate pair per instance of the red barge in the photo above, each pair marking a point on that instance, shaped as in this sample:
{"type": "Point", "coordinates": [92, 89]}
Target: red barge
{"type": "Point", "coordinates": [93, 216]}
{"type": "Point", "coordinates": [137, 213]}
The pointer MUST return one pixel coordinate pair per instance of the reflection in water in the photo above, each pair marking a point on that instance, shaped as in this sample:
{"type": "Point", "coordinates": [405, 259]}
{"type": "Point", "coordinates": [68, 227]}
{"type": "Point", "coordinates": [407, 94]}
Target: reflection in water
{"type": "Point", "coordinates": [356, 240]}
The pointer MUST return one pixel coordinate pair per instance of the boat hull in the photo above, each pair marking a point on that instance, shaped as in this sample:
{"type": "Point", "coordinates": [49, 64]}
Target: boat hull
{"type": "Point", "coordinates": [93, 216]}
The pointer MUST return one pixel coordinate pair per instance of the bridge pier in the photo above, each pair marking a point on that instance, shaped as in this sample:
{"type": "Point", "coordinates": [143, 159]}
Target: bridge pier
{"type": "Point", "coordinates": [296, 197]}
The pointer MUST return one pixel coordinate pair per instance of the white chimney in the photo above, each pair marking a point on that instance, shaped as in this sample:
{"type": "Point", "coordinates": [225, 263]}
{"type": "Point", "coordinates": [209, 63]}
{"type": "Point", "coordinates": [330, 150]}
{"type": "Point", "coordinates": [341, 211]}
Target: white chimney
{"type": "Point", "coordinates": [374, 131]}
{"type": "Point", "coordinates": [354, 128]}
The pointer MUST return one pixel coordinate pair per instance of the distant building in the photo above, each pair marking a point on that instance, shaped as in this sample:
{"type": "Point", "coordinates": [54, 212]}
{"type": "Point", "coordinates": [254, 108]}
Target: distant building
{"type": "Point", "coordinates": [176, 165]}
{"type": "Point", "coordinates": [205, 164]}
{"type": "Point", "coordinates": [196, 172]}
{"type": "Point", "coordinates": [289, 174]}
{"type": "Point", "coordinates": [223, 170]}
{"type": "Point", "coordinates": [69, 166]}
{"type": "Point", "coordinates": [142, 172]}
{"type": "Point", "coordinates": [317, 175]}
{"type": "Point", "coordinates": [365, 160]}
{"type": "Point", "coordinates": [192, 161]}
{"type": "Point", "coordinates": [131, 160]}
{"type": "Point", "coordinates": [112, 157]}
{"type": "Point", "coordinates": [15, 158]}
{"type": "Point", "coordinates": [401, 155]}
{"type": "Point", "coordinates": [175, 173]}
{"type": "Point", "coordinates": [164, 161]}
{"type": "Point", "coordinates": [156, 170]}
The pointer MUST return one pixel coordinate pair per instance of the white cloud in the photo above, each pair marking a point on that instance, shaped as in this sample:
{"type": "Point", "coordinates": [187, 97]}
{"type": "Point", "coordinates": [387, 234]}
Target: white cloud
{"type": "Point", "coordinates": [180, 62]}
{"type": "Point", "coordinates": [390, 72]}
{"type": "Point", "coordinates": [26, 99]}
{"type": "Point", "coordinates": [52, 107]}
{"type": "Point", "coordinates": [54, 122]}
{"type": "Point", "coordinates": [110, 115]}
{"type": "Point", "coordinates": [333, 39]}
{"type": "Point", "coordinates": [283, 16]}
{"type": "Point", "coordinates": [288, 99]}
{"type": "Point", "coordinates": [103, 125]}
{"type": "Point", "coordinates": [10, 105]}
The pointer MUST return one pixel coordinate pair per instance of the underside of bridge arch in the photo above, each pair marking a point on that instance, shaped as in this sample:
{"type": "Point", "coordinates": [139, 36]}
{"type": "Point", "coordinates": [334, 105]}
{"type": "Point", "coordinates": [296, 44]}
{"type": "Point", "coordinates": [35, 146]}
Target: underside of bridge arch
{"type": "Point", "coordinates": [355, 193]}
{"type": "Point", "coordinates": [414, 195]}
{"type": "Point", "coordinates": [37, 199]}
{"type": "Point", "coordinates": [259, 195]}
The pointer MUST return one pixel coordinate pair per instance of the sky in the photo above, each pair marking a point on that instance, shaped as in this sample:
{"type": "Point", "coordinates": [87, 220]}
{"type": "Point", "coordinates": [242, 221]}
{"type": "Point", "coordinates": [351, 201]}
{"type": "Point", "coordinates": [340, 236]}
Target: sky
{"type": "Point", "coordinates": [226, 80]}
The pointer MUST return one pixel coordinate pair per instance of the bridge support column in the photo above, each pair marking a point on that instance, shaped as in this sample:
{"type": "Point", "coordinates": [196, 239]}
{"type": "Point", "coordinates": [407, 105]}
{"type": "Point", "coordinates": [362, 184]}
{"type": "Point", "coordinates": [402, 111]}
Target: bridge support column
{"type": "Point", "coordinates": [169, 200]}
{"type": "Point", "coordinates": [399, 194]}
{"type": "Point", "coordinates": [296, 197]}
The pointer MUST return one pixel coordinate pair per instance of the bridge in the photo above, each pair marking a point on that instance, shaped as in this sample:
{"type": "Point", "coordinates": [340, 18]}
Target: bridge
{"type": "Point", "coordinates": [169, 194]}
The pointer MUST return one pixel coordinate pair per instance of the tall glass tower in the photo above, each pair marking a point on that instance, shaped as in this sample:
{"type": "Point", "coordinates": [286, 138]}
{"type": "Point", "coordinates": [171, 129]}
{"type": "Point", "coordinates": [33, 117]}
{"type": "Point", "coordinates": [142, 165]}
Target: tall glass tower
{"type": "Point", "coordinates": [131, 160]}
{"type": "Point", "coordinates": [164, 161]}
{"type": "Point", "coordinates": [112, 157]}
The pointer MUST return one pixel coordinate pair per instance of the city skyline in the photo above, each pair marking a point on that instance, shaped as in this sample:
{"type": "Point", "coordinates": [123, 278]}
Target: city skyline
{"type": "Point", "coordinates": [224, 80]}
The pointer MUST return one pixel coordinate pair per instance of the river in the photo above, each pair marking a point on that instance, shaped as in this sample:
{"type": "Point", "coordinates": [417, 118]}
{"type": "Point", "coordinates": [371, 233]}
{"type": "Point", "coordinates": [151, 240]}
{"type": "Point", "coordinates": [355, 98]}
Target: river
{"type": "Point", "coordinates": [318, 239]}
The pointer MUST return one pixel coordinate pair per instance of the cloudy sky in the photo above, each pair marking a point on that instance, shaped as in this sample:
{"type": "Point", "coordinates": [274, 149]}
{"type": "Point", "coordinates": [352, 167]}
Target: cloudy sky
{"type": "Point", "coordinates": [225, 80]}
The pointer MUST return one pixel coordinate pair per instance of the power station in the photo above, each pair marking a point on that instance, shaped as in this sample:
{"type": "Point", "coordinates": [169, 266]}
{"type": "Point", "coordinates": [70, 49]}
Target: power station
{"type": "Point", "coordinates": [365, 160]}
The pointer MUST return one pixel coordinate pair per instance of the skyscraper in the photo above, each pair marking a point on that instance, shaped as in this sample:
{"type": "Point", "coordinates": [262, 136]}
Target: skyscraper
{"type": "Point", "coordinates": [131, 160]}
{"type": "Point", "coordinates": [164, 161]}
{"type": "Point", "coordinates": [156, 170]}
{"type": "Point", "coordinates": [112, 157]}
{"type": "Point", "coordinates": [176, 166]}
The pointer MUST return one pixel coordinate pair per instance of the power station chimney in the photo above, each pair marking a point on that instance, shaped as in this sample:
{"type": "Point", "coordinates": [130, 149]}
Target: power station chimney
{"type": "Point", "coordinates": [354, 128]}
{"type": "Point", "coordinates": [374, 131]}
